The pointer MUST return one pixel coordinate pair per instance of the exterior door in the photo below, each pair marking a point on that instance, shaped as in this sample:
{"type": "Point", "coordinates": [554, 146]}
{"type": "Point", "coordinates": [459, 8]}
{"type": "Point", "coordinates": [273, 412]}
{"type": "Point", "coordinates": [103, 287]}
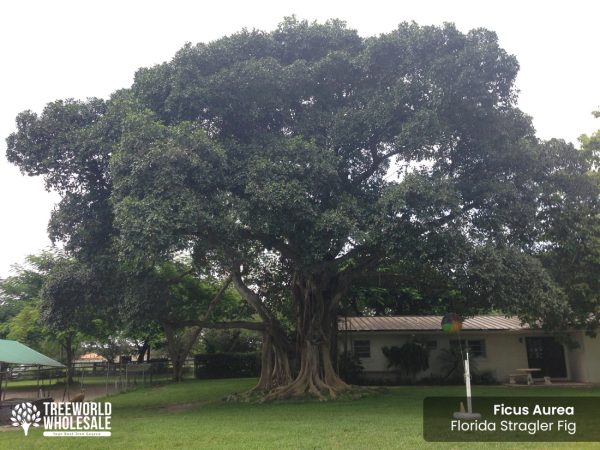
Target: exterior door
{"type": "Point", "coordinates": [547, 354]}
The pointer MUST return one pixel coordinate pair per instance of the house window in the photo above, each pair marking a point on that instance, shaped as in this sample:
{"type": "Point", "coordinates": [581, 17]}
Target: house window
{"type": "Point", "coordinates": [362, 349]}
{"type": "Point", "coordinates": [476, 347]}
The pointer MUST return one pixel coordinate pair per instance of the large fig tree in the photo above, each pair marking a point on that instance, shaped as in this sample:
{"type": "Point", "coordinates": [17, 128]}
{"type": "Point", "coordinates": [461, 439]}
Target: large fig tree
{"type": "Point", "coordinates": [346, 159]}
{"type": "Point", "coordinates": [341, 155]}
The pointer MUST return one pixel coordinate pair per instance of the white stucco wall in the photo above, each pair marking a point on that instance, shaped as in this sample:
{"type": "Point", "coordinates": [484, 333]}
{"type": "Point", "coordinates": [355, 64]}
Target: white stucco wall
{"type": "Point", "coordinates": [576, 360]}
{"type": "Point", "coordinates": [505, 351]}
{"type": "Point", "coordinates": [592, 358]}
{"type": "Point", "coordinates": [584, 361]}
{"type": "Point", "coordinates": [504, 354]}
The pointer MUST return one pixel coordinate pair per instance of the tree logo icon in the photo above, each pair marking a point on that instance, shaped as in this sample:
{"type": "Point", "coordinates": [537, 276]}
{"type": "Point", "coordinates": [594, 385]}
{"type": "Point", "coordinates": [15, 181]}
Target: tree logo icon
{"type": "Point", "coordinates": [25, 415]}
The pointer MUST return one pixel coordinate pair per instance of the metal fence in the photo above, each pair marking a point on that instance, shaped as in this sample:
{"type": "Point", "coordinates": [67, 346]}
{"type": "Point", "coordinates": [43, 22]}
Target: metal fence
{"type": "Point", "coordinates": [95, 378]}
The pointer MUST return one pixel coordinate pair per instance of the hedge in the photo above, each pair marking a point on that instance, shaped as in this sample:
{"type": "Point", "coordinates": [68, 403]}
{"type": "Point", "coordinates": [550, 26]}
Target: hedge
{"type": "Point", "coordinates": [227, 365]}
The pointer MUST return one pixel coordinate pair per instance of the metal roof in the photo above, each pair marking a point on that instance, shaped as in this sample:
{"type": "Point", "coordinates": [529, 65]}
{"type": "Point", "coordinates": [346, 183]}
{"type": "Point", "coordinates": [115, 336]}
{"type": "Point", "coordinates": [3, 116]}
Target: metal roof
{"type": "Point", "coordinates": [14, 352]}
{"type": "Point", "coordinates": [427, 323]}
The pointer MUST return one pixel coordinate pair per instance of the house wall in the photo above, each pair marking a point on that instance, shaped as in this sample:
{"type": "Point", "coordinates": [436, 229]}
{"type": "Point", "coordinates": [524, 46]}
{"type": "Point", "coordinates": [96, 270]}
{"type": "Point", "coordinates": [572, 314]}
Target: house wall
{"type": "Point", "coordinates": [584, 361]}
{"type": "Point", "coordinates": [592, 358]}
{"type": "Point", "coordinates": [576, 359]}
{"type": "Point", "coordinates": [505, 352]}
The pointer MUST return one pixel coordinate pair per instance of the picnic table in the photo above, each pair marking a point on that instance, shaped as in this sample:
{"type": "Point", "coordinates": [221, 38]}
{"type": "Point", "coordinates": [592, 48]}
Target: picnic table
{"type": "Point", "coordinates": [528, 373]}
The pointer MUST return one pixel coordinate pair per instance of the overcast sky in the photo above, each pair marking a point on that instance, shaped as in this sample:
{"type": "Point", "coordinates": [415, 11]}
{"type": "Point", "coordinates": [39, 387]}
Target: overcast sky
{"type": "Point", "coordinates": [72, 49]}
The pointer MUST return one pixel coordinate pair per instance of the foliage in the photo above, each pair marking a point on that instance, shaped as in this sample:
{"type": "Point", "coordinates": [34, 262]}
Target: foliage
{"type": "Point", "coordinates": [20, 303]}
{"type": "Point", "coordinates": [483, 378]}
{"type": "Point", "coordinates": [350, 367]}
{"type": "Point", "coordinates": [230, 341]}
{"type": "Point", "coordinates": [412, 357]}
{"type": "Point", "coordinates": [107, 343]}
{"type": "Point", "coordinates": [68, 297]}
{"type": "Point", "coordinates": [353, 162]}
{"type": "Point", "coordinates": [25, 327]}
{"type": "Point", "coordinates": [451, 364]}
{"type": "Point", "coordinates": [573, 260]}
{"type": "Point", "coordinates": [227, 365]}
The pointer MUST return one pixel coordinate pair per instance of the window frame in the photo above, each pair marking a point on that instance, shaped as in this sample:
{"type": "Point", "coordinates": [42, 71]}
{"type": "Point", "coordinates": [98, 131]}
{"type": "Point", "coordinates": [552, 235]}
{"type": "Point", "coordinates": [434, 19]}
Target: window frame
{"type": "Point", "coordinates": [480, 353]}
{"type": "Point", "coordinates": [366, 343]}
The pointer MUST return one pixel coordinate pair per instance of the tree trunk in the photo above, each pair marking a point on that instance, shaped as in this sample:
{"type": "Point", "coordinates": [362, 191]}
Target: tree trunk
{"type": "Point", "coordinates": [275, 366]}
{"type": "Point", "coordinates": [68, 346]}
{"type": "Point", "coordinates": [177, 369]}
{"type": "Point", "coordinates": [179, 347]}
{"type": "Point", "coordinates": [142, 351]}
{"type": "Point", "coordinates": [317, 306]}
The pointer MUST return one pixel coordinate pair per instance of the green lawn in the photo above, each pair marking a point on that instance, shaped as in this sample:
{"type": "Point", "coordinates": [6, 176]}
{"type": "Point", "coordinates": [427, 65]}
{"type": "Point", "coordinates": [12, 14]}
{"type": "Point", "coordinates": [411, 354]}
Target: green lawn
{"type": "Point", "coordinates": [191, 415]}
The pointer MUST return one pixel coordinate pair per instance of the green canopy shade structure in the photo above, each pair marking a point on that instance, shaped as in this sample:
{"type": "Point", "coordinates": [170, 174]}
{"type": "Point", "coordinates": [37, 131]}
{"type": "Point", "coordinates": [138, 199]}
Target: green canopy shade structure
{"type": "Point", "coordinates": [13, 352]}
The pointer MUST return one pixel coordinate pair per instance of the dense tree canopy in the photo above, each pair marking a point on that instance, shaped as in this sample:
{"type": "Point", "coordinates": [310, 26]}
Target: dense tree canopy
{"type": "Point", "coordinates": [346, 162]}
{"type": "Point", "coordinates": [573, 256]}
{"type": "Point", "coordinates": [20, 301]}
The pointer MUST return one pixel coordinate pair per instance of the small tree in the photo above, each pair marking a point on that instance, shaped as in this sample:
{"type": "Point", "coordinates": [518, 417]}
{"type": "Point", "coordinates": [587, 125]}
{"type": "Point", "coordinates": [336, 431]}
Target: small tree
{"type": "Point", "coordinates": [68, 305]}
{"type": "Point", "coordinates": [412, 358]}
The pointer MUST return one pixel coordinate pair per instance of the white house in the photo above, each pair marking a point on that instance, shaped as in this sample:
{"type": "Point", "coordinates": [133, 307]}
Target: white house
{"type": "Point", "coordinates": [498, 344]}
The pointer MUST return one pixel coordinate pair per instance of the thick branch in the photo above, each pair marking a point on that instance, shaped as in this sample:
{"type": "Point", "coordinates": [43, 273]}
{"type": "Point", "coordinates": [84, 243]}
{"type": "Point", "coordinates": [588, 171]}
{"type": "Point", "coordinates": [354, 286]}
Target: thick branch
{"type": "Point", "coordinates": [375, 163]}
{"type": "Point", "coordinates": [251, 297]}
{"type": "Point", "coordinates": [217, 297]}
{"type": "Point", "coordinates": [270, 242]}
{"type": "Point", "coordinates": [272, 324]}
{"type": "Point", "coordinates": [247, 325]}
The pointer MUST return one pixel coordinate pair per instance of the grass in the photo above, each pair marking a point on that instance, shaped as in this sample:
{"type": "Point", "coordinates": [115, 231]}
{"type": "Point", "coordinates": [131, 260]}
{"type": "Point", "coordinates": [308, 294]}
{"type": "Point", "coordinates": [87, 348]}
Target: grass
{"type": "Point", "coordinates": [192, 415]}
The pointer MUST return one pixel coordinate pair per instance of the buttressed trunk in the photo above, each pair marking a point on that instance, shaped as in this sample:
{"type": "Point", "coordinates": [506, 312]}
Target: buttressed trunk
{"type": "Point", "coordinates": [316, 302]}
{"type": "Point", "coordinates": [275, 367]}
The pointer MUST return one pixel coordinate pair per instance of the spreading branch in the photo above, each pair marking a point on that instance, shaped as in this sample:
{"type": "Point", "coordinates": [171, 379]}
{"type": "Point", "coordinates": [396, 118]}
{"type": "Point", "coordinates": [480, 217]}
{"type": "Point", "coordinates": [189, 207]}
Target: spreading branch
{"type": "Point", "coordinates": [240, 324]}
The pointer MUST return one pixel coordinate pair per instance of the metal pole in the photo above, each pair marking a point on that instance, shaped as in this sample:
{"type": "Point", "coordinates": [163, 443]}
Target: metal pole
{"type": "Point", "coordinates": [468, 384]}
{"type": "Point", "coordinates": [2, 381]}
{"type": "Point", "coordinates": [5, 385]}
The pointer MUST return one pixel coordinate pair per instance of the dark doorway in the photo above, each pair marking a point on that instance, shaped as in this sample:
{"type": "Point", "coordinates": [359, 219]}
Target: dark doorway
{"type": "Point", "coordinates": [547, 354]}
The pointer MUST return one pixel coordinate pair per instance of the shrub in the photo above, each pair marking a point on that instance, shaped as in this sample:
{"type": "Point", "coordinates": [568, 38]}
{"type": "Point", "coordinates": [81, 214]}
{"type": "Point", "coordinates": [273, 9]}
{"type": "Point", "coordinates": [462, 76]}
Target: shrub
{"type": "Point", "coordinates": [227, 365]}
{"type": "Point", "coordinates": [452, 365]}
{"type": "Point", "coordinates": [484, 377]}
{"type": "Point", "coordinates": [350, 367]}
{"type": "Point", "coordinates": [412, 358]}
{"type": "Point", "coordinates": [160, 365]}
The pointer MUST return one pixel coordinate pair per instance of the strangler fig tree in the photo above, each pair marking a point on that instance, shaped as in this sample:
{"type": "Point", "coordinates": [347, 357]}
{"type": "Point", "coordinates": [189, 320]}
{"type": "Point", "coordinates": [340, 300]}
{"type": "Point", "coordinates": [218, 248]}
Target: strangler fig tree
{"type": "Point", "coordinates": [333, 154]}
